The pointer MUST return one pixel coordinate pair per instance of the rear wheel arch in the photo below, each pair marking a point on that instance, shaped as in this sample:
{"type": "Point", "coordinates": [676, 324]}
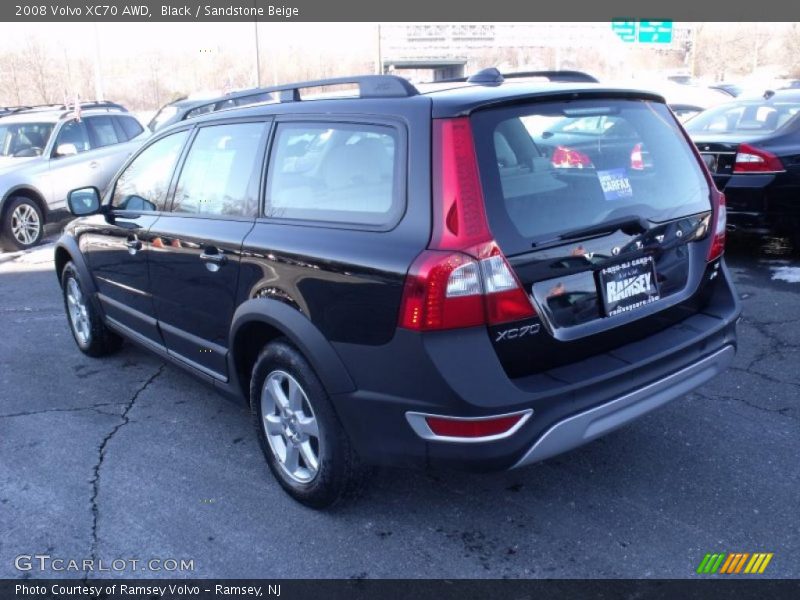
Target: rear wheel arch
{"type": "Point", "coordinates": [260, 321]}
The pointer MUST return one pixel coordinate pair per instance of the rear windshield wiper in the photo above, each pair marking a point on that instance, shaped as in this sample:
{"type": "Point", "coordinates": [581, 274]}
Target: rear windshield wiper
{"type": "Point", "coordinates": [629, 225]}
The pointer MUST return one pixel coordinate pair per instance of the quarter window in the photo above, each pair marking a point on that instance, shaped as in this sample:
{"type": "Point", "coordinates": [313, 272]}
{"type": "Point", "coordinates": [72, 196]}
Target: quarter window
{"type": "Point", "coordinates": [102, 130]}
{"type": "Point", "coordinates": [343, 173]}
{"type": "Point", "coordinates": [217, 177]}
{"type": "Point", "coordinates": [144, 183]}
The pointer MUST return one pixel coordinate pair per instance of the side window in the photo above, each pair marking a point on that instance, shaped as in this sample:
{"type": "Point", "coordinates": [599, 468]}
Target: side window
{"type": "Point", "coordinates": [217, 176]}
{"type": "Point", "coordinates": [130, 127]}
{"type": "Point", "coordinates": [102, 131]}
{"type": "Point", "coordinates": [343, 173]}
{"type": "Point", "coordinates": [75, 133]}
{"type": "Point", "coordinates": [142, 186]}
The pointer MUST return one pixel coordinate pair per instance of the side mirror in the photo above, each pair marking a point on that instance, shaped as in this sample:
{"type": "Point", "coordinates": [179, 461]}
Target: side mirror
{"type": "Point", "coordinates": [84, 201]}
{"type": "Point", "coordinates": [66, 150]}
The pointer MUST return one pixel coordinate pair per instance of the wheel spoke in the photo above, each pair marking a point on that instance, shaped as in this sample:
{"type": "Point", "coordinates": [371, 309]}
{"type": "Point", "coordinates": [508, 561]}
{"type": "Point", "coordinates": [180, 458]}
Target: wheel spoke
{"type": "Point", "coordinates": [273, 424]}
{"type": "Point", "coordinates": [308, 426]}
{"type": "Point", "coordinates": [276, 391]}
{"type": "Point", "coordinates": [292, 458]}
{"type": "Point", "coordinates": [309, 457]}
{"type": "Point", "coordinates": [296, 396]}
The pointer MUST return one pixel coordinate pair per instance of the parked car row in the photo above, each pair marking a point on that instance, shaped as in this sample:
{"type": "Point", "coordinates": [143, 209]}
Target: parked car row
{"type": "Point", "coordinates": [47, 150]}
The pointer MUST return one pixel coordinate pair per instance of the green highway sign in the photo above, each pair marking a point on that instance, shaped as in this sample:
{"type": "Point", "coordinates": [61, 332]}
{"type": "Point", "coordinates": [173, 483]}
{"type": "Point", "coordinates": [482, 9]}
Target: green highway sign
{"type": "Point", "coordinates": [644, 32]}
{"type": "Point", "coordinates": [655, 32]}
{"type": "Point", "coordinates": [626, 30]}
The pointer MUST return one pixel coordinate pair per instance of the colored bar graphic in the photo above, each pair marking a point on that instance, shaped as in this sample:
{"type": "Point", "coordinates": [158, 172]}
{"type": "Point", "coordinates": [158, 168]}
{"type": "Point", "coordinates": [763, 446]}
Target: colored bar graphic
{"type": "Point", "coordinates": [733, 563]}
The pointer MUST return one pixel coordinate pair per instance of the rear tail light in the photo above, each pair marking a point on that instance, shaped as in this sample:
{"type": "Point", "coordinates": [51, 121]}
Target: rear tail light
{"type": "Point", "coordinates": [719, 222]}
{"type": "Point", "coordinates": [467, 429]}
{"type": "Point", "coordinates": [462, 279]}
{"type": "Point", "coordinates": [637, 160]}
{"type": "Point", "coordinates": [568, 158]}
{"type": "Point", "coordinates": [750, 159]}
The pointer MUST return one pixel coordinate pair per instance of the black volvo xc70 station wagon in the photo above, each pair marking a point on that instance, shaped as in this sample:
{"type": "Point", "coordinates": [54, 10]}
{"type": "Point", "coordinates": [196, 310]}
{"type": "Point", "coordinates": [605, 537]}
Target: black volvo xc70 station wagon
{"type": "Point", "coordinates": [482, 276]}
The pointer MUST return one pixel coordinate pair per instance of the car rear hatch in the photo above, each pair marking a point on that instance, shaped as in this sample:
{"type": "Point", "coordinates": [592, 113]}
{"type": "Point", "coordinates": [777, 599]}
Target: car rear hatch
{"type": "Point", "coordinates": [601, 209]}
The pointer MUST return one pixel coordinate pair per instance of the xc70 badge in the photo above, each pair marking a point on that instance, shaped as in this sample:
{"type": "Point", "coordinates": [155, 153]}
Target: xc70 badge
{"type": "Point", "coordinates": [517, 332]}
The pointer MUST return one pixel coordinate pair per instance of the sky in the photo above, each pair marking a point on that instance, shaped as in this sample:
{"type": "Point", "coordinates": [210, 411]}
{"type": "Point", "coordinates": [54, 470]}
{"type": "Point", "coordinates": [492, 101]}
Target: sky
{"type": "Point", "coordinates": [119, 38]}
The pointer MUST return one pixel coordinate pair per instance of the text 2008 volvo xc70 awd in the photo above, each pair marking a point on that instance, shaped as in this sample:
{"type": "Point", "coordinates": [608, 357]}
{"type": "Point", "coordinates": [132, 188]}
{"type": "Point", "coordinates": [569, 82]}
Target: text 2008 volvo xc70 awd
{"type": "Point", "coordinates": [481, 276]}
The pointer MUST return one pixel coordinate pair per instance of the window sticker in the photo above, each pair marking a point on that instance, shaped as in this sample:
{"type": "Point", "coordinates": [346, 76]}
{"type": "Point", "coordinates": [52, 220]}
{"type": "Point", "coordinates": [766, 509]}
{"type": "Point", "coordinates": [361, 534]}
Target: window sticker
{"type": "Point", "coordinates": [615, 184]}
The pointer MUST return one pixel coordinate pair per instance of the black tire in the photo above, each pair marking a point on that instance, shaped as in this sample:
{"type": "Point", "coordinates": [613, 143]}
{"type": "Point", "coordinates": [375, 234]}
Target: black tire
{"type": "Point", "coordinates": [8, 239]}
{"type": "Point", "coordinates": [340, 473]}
{"type": "Point", "coordinates": [100, 341]}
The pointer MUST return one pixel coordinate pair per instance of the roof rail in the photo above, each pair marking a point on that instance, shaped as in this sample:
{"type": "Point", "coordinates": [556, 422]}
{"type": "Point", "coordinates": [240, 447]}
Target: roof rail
{"type": "Point", "coordinates": [91, 104]}
{"type": "Point", "coordinates": [369, 86]}
{"type": "Point", "coordinates": [493, 76]}
{"type": "Point", "coordinates": [10, 110]}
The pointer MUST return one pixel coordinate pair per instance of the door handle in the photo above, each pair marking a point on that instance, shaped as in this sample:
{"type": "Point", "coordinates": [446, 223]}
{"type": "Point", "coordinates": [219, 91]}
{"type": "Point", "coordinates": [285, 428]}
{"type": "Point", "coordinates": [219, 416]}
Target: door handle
{"type": "Point", "coordinates": [213, 258]}
{"type": "Point", "coordinates": [134, 245]}
{"type": "Point", "coordinates": [93, 164]}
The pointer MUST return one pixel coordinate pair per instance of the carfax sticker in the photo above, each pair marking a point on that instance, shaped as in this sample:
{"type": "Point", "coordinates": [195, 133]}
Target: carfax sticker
{"type": "Point", "coordinates": [615, 184]}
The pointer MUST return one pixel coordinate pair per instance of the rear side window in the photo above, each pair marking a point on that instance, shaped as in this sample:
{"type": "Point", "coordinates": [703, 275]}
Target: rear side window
{"type": "Point", "coordinates": [551, 168]}
{"type": "Point", "coordinates": [143, 184]}
{"type": "Point", "coordinates": [217, 177]}
{"type": "Point", "coordinates": [335, 172]}
{"type": "Point", "coordinates": [130, 127]}
{"type": "Point", "coordinates": [102, 131]}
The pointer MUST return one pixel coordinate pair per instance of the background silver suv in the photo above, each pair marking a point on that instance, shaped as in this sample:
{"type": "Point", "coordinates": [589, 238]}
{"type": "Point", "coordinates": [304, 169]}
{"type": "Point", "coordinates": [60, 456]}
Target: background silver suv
{"type": "Point", "coordinates": [47, 151]}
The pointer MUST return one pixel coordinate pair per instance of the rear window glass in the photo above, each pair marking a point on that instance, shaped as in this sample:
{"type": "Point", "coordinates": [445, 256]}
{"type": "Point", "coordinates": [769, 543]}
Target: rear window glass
{"type": "Point", "coordinates": [337, 172]}
{"type": "Point", "coordinates": [744, 117]}
{"type": "Point", "coordinates": [552, 168]}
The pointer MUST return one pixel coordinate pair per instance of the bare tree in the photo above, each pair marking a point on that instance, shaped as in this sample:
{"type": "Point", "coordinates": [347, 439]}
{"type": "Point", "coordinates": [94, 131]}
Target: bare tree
{"type": "Point", "coordinates": [37, 63]}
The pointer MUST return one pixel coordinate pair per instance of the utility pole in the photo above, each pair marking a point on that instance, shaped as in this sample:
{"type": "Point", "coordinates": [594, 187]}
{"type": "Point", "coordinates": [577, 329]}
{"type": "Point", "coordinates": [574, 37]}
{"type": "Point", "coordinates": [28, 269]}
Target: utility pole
{"type": "Point", "coordinates": [98, 73]}
{"type": "Point", "coordinates": [258, 56]}
{"type": "Point", "coordinates": [379, 65]}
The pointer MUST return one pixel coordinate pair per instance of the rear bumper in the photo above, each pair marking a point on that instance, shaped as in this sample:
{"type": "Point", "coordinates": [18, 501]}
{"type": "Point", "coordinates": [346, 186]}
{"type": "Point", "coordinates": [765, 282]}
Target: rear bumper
{"type": "Point", "coordinates": [762, 204]}
{"type": "Point", "coordinates": [588, 425]}
{"type": "Point", "coordinates": [458, 374]}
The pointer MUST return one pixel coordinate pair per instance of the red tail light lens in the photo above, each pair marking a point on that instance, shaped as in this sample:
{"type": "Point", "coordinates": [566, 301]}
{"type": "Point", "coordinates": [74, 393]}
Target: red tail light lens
{"type": "Point", "coordinates": [719, 223]}
{"type": "Point", "coordinates": [637, 160]}
{"type": "Point", "coordinates": [472, 428]}
{"type": "Point", "coordinates": [442, 291]}
{"type": "Point", "coordinates": [750, 159]}
{"type": "Point", "coordinates": [463, 279]}
{"type": "Point", "coordinates": [568, 158]}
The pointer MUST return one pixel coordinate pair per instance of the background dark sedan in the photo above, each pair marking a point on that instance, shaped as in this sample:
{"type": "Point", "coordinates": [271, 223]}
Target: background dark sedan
{"type": "Point", "coordinates": [752, 148]}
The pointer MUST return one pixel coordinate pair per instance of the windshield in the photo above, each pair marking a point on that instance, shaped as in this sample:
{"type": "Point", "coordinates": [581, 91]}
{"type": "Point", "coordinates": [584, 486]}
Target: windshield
{"type": "Point", "coordinates": [744, 117]}
{"type": "Point", "coordinates": [161, 118]}
{"type": "Point", "coordinates": [22, 140]}
{"type": "Point", "coordinates": [550, 169]}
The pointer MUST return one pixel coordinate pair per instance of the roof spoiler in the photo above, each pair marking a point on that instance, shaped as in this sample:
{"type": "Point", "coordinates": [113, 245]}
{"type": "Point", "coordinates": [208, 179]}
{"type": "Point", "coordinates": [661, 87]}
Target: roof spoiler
{"type": "Point", "coordinates": [493, 76]}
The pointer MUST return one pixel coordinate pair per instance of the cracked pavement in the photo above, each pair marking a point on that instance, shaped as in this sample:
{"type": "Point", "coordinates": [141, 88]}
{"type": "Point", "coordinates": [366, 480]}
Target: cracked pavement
{"type": "Point", "coordinates": [129, 458]}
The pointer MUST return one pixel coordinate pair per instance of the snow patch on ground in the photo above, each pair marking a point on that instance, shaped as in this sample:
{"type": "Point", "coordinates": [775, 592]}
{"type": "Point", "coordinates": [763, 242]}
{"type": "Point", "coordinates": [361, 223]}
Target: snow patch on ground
{"type": "Point", "coordinates": [788, 274]}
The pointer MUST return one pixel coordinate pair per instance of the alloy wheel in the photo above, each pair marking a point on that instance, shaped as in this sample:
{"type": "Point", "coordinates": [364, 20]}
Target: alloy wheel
{"type": "Point", "coordinates": [78, 314]}
{"type": "Point", "coordinates": [25, 224]}
{"type": "Point", "coordinates": [290, 427]}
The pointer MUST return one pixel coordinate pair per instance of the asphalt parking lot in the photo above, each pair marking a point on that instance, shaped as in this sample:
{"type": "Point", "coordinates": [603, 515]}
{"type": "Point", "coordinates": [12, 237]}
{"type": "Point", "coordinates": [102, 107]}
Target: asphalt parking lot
{"type": "Point", "coordinates": [126, 458]}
